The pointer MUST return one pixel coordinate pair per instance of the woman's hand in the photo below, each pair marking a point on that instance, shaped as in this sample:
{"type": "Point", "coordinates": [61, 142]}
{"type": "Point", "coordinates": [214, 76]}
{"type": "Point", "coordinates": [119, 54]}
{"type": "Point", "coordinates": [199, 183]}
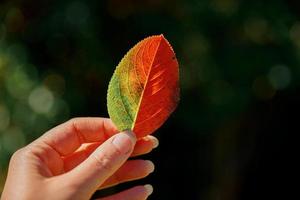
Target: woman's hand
{"type": "Point", "coordinates": [74, 159]}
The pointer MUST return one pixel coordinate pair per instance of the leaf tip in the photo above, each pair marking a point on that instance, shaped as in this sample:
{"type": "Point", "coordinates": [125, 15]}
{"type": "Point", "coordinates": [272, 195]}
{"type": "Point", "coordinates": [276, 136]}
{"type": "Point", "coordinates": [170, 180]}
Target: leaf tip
{"type": "Point", "coordinates": [162, 38]}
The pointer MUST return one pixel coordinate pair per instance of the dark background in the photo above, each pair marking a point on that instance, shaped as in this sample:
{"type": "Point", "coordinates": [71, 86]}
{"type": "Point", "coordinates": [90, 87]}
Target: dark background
{"type": "Point", "coordinates": [233, 133]}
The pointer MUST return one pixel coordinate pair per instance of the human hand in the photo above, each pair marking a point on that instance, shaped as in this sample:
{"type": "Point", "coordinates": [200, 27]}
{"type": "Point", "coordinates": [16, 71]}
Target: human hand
{"type": "Point", "coordinates": [74, 159]}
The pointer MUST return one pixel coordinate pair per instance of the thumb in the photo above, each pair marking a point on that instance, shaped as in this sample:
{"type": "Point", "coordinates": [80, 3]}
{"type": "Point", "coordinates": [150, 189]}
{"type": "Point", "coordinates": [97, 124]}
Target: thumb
{"type": "Point", "coordinates": [103, 162]}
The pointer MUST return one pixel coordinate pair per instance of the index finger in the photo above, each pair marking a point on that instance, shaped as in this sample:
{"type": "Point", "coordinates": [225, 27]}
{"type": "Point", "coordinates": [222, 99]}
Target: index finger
{"type": "Point", "coordinates": [69, 136]}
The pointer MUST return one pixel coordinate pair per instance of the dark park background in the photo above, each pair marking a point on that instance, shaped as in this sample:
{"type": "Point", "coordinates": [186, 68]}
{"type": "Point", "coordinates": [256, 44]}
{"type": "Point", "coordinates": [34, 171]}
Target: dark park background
{"type": "Point", "coordinates": [232, 135]}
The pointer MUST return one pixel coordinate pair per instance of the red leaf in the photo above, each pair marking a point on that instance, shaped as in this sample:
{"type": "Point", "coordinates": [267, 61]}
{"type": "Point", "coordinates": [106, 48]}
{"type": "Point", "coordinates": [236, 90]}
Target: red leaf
{"type": "Point", "coordinates": [144, 89]}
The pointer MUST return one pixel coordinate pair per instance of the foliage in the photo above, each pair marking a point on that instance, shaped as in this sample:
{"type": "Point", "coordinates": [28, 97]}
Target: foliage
{"type": "Point", "coordinates": [144, 89]}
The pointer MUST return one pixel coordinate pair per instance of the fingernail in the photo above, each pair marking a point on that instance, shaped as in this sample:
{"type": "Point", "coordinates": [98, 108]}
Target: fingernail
{"type": "Point", "coordinates": [149, 189]}
{"type": "Point", "coordinates": [131, 134]}
{"type": "Point", "coordinates": [124, 141]}
{"type": "Point", "coordinates": [150, 166]}
{"type": "Point", "coordinates": [155, 142]}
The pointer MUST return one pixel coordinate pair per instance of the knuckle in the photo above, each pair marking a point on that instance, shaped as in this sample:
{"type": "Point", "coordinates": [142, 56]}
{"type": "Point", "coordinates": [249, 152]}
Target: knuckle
{"type": "Point", "coordinates": [22, 155]}
{"type": "Point", "coordinates": [18, 155]}
{"type": "Point", "coordinates": [103, 163]}
{"type": "Point", "coordinates": [73, 120]}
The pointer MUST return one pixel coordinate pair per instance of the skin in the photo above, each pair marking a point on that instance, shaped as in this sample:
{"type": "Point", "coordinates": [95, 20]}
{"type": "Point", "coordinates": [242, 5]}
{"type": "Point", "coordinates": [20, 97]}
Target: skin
{"type": "Point", "coordinates": [74, 159]}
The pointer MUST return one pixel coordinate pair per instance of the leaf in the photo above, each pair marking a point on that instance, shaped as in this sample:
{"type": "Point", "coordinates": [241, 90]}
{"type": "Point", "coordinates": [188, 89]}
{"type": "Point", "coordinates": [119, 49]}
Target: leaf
{"type": "Point", "coordinates": [144, 89]}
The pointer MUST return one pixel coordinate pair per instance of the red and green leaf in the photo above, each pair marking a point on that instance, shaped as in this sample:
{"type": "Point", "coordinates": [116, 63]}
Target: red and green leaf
{"type": "Point", "coordinates": [144, 89]}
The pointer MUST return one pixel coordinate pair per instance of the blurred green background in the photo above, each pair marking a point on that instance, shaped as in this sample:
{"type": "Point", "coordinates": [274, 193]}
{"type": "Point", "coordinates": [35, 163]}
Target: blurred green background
{"type": "Point", "coordinates": [239, 69]}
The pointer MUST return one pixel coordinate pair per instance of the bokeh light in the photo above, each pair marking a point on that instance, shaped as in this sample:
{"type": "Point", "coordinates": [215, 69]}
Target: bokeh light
{"type": "Point", "coordinates": [280, 76]}
{"type": "Point", "coordinates": [41, 100]}
{"type": "Point", "coordinates": [30, 103]}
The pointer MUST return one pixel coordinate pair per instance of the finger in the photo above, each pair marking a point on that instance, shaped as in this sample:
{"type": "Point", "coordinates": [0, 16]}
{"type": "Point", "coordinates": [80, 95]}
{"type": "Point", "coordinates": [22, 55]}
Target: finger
{"type": "Point", "coordinates": [145, 145]}
{"type": "Point", "coordinates": [135, 193]}
{"type": "Point", "coordinates": [74, 159]}
{"type": "Point", "coordinates": [68, 137]}
{"type": "Point", "coordinates": [103, 162]}
{"type": "Point", "coordinates": [131, 170]}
